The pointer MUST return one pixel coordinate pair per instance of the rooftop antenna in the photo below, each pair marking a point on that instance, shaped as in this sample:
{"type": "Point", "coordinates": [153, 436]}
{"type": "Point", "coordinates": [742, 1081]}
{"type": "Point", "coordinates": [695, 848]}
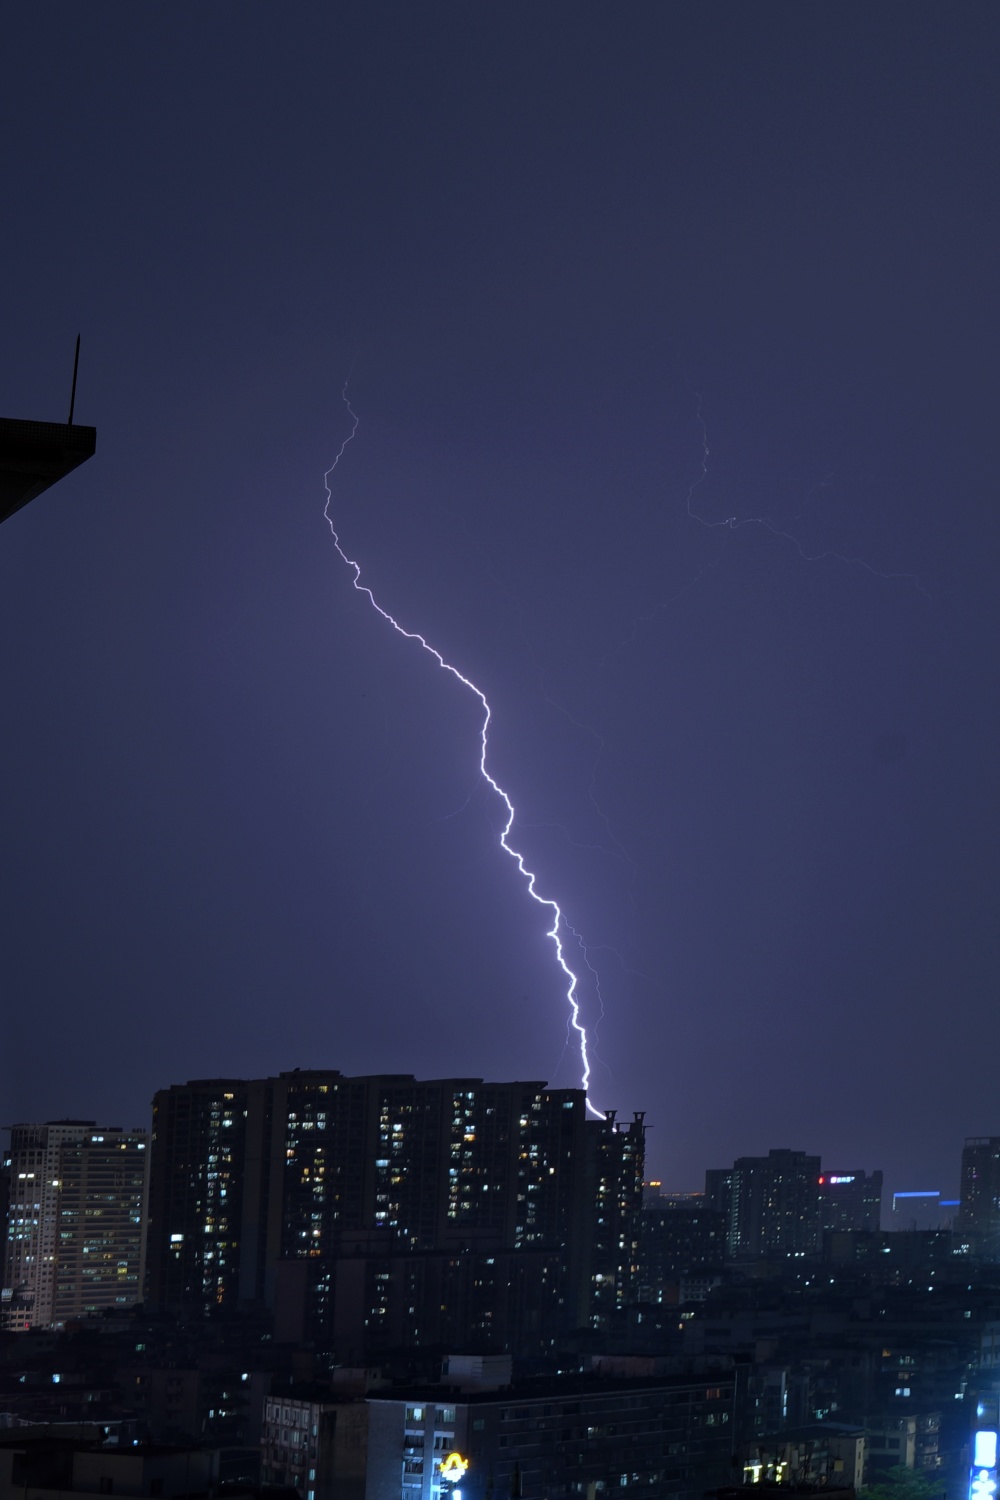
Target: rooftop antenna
{"type": "Point", "coordinates": [76, 366]}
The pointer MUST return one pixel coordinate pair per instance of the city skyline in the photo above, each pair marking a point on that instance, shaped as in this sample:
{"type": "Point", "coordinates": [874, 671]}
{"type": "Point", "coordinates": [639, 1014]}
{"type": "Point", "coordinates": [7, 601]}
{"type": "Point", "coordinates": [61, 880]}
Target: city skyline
{"type": "Point", "coordinates": [671, 336]}
{"type": "Point", "coordinates": [369, 1213]}
{"type": "Point", "coordinates": [696, 1187]}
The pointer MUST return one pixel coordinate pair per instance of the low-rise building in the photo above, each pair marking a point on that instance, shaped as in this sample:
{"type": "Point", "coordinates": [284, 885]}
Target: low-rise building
{"type": "Point", "coordinates": [568, 1435]}
{"type": "Point", "coordinates": [316, 1444]}
{"type": "Point", "coordinates": [50, 1468]}
{"type": "Point", "coordinates": [829, 1454]}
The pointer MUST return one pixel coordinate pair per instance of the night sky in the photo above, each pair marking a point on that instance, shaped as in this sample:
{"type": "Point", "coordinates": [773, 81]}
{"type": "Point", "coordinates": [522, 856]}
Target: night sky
{"type": "Point", "coordinates": [560, 249]}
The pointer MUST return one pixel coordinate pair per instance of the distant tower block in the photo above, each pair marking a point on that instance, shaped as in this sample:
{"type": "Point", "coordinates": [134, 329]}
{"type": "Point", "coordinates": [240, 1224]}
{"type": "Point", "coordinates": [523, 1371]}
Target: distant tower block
{"type": "Point", "coordinates": [35, 455]}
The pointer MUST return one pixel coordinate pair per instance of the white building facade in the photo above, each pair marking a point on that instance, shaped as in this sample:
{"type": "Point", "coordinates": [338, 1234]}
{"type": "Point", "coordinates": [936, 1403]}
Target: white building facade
{"type": "Point", "coordinates": [76, 1222]}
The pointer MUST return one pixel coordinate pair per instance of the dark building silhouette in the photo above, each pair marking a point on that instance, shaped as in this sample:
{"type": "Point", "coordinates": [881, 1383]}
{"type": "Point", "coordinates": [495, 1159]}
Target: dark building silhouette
{"type": "Point", "coordinates": [4, 1203]}
{"type": "Point", "coordinates": [921, 1209]}
{"type": "Point", "coordinates": [65, 1466]}
{"type": "Point", "coordinates": [382, 1212]}
{"type": "Point", "coordinates": [892, 1257]}
{"type": "Point", "coordinates": [979, 1211]}
{"type": "Point", "coordinates": [35, 455]}
{"type": "Point", "coordinates": [770, 1203]}
{"type": "Point", "coordinates": [207, 1194]}
{"type": "Point", "coordinates": [677, 1242]}
{"type": "Point", "coordinates": [850, 1200]}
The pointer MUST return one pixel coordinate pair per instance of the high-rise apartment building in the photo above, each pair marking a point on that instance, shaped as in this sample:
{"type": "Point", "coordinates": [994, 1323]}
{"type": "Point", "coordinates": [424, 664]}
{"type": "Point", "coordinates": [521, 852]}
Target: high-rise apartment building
{"type": "Point", "coordinates": [979, 1211]}
{"type": "Point", "coordinates": [377, 1211]}
{"type": "Point", "coordinates": [210, 1146]}
{"type": "Point", "coordinates": [75, 1222]}
{"type": "Point", "coordinates": [850, 1200]}
{"type": "Point", "coordinates": [770, 1203]}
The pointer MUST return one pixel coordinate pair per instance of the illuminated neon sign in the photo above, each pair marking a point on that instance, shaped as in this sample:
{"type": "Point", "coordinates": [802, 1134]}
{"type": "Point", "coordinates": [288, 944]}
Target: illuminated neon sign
{"type": "Point", "coordinates": [453, 1467]}
{"type": "Point", "coordinates": [983, 1475]}
{"type": "Point", "coordinates": [452, 1470]}
{"type": "Point", "coordinates": [984, 1454]}
{"type": "Point", "coordinates": [983, 1486]}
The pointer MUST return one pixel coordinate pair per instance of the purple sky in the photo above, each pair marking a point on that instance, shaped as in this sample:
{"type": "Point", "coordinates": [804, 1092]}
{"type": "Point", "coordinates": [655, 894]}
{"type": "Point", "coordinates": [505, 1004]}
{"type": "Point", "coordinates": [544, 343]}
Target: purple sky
{"type": "Point", "coordinates": [242, 827]}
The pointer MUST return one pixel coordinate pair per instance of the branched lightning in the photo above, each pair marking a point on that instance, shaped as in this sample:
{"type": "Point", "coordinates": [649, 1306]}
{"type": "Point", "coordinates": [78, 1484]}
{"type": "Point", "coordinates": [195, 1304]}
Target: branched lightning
{"type": "Point", "coordinates": [737, 523]}
{"type": "Point", "coordinates": [734, 523]}
{"type": "Point", "coordinates": [559, 923]}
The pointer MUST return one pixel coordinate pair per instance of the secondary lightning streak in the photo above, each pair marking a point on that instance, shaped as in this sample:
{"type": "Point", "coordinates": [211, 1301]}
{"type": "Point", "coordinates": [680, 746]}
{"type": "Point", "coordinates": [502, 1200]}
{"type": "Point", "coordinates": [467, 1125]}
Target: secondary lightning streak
{"type": "Point", "coordinates": [734, 523]}
{"type": "Point", "coordinates": [558, 920]}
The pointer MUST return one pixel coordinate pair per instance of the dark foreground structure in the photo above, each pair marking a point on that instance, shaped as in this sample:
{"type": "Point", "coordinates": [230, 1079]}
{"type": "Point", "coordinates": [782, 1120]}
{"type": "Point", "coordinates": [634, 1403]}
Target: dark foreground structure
{"type": "Point", "coordinates": [35, 455]}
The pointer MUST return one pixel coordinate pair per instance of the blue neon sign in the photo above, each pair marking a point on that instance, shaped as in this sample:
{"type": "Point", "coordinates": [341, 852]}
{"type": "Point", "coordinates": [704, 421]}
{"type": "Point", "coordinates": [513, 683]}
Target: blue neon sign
{"type": "Point", "coordinates": [984, 1453]}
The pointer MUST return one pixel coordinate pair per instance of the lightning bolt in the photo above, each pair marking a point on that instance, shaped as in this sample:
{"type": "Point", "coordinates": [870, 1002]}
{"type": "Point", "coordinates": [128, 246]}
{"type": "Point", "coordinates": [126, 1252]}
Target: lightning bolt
{"type": "Point", "coordinates": [559, 923]}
